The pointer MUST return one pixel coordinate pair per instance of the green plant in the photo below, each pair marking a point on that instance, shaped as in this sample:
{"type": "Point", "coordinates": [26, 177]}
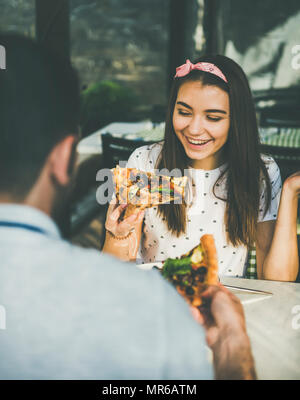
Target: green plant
{"type": "Point", "coordinates": [105, 102]}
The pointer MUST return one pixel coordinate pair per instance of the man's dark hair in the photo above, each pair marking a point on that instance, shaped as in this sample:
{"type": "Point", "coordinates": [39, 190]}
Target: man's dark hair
{"type": "Point", "coordinates": [39, 106]}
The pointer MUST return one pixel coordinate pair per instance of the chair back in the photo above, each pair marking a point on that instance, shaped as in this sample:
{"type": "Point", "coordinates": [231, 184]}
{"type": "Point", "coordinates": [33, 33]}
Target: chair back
{"type": "Point", "coordinates": [117, 149]}
{"type": "Point", "coordinates": [278, 107]}
{"type": "Point", "coordinates": [287, 158]}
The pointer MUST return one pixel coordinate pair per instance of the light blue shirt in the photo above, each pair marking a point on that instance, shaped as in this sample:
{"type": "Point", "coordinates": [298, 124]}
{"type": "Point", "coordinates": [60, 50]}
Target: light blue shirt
{"type": "Point", "coordinates": [72, 313]}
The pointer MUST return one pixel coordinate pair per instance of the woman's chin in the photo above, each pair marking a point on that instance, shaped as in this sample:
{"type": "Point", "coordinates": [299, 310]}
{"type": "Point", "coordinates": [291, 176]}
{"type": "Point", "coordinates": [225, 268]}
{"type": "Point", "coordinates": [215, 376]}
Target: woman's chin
{"type": "Point", "coordinates": [196, 156]}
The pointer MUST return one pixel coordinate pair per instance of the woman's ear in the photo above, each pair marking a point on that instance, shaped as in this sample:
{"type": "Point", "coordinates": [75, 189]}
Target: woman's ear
{"type": "Point", "coordinates": [61, 160]}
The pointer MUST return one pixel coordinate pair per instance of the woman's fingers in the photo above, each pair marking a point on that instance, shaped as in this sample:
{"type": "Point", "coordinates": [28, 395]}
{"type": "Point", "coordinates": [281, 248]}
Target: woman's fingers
{"type": "Point", "coordinates": [128, 223]}
{"type": "Point", "coordinates": [140, 216]}
{"type": "Point", "coordinates": [112, 206]}
{"type": "Point", "coordinates": [135, 218]}
{"type": "Point", "coordinates": [122, 228]}
{"type": "Point", "coordinates": [115, 215]}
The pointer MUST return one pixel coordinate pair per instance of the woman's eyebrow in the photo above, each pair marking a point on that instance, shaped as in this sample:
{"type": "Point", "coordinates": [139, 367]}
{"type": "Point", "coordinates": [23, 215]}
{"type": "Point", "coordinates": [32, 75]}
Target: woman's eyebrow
{"type": "Point", "coordinates": [213, 110]}
{"type": "Point", "coordinates": [210, 110]}
{"type": "Point", "coordinates": [184, 104]}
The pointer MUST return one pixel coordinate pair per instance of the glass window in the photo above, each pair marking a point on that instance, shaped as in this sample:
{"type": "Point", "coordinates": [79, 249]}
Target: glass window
{"type": "Point", "coordinates": [124, 41]}
{"type": "Point", "coordinates": [263, 37]}
{"type": "Point", "coordinates": [18, 16]}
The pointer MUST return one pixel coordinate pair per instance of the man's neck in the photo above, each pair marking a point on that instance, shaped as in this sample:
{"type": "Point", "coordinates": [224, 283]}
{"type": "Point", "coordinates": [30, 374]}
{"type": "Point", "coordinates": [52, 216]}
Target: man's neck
{"type": "Point", "coordinates": [29, 200]}
{"type": "Point", "coordinates": [6, 198]}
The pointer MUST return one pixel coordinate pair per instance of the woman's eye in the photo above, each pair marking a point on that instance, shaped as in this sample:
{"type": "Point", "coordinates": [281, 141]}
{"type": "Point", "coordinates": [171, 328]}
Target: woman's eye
{"type": "Point", "coordinates": [183, 112]}
{"type": "Point", "coordinates": [213, 118]}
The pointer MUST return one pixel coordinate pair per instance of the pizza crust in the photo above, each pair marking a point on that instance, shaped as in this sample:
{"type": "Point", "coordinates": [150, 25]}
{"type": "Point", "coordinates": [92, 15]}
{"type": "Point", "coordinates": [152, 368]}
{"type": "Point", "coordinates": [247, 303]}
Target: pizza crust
{"type": "Point", "coordinates": [210, 259]}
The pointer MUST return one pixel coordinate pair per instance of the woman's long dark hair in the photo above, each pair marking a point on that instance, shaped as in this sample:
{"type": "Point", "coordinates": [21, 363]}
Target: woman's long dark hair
{"type": "Point", "coordinates": [245, 170]}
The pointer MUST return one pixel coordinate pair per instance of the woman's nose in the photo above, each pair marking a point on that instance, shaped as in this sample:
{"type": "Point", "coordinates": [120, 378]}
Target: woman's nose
{"type": "Point", "coordinates": [196, 126]}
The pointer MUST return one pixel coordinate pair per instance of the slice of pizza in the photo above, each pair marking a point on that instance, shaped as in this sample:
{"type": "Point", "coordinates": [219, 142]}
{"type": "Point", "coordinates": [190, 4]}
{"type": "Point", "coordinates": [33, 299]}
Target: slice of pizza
{"type": "Point", "coordinates": [196, 269]}
{"type": "Point", "coordinates": [140, 189]}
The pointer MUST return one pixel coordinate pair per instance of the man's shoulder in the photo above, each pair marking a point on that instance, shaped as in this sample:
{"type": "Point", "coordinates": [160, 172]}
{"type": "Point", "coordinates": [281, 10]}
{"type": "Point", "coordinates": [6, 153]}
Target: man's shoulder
{"type": "Point", "coordinates": [100, 301]}
{"type": "Point", "coordinates": [87, 257]}
{"type": "Point", "coordinates": [103, 265]}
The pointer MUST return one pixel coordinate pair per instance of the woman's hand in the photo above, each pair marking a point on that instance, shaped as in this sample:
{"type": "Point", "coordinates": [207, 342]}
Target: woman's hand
{"type": "Point", "coordinates": [125, 237]}
{"type": "Point", "coordinates": [121, 228]}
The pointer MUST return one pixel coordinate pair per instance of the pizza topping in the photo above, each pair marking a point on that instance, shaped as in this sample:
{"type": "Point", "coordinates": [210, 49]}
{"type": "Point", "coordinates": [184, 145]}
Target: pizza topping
{"type": "Point", "coordinates": [133, 191]}
{"type": "Point", "coordinates": [194, 270]}
{"type": "Point", "coordinates": [197, 256]}
{"type": "Point", "coordinates": [180, 266]}
{"type": "Point", "coordinates": [182, 272]}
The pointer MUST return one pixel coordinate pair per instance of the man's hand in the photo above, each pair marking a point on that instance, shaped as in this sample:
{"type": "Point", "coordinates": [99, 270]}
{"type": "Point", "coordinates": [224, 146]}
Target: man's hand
{"type": "Point", "coordinates": [223, 319]}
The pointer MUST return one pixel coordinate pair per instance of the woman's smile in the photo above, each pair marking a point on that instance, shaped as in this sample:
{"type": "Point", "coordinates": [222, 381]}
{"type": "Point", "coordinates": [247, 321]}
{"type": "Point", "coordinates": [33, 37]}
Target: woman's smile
{"type": "Point", "coordinates": [197, 144]}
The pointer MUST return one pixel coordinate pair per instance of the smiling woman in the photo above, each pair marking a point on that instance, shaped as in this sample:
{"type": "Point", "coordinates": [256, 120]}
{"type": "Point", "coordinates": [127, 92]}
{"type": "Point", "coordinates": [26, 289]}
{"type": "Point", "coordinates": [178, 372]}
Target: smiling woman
{"type": "Point", "coordinates": [211, 131]}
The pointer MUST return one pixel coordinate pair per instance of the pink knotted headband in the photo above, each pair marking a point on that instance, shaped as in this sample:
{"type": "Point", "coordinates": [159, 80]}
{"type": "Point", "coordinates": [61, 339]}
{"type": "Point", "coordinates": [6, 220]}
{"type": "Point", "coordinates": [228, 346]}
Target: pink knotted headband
{"type": "Point", "coordinates": [201, 66]}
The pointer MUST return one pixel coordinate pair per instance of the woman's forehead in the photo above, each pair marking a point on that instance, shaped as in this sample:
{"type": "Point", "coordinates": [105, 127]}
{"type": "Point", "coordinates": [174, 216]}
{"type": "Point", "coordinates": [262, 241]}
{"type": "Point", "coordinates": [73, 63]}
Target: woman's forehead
{"type": "Point", "coordinates": [194, 93]}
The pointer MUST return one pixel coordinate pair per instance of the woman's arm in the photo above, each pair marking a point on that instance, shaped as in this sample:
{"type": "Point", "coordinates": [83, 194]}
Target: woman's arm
{"type": "Point", "coordinates": [122, 238]}
{"type": "Point", "coordinates": [276, 245]}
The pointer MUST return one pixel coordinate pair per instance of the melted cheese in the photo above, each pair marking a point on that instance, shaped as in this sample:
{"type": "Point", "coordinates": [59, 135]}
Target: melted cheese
{"type": "Point", "coordinates": [197, 256]}
{"type": "Point", "coordinates": [132, 191]}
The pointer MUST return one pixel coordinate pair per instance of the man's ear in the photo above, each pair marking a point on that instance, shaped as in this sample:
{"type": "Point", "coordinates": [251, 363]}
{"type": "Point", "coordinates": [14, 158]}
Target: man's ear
{"type": "Point", "coordinates": [61, 158]}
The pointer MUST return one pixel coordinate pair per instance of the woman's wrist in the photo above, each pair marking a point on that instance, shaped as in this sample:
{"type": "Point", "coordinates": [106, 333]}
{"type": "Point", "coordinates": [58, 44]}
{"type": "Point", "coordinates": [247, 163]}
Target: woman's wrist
{"type": "Point", "coordinates": [117, 245]}
{"type": "Point", "coordinates": [119, 237]}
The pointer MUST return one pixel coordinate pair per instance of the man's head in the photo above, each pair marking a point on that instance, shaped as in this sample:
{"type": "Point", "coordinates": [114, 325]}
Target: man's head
{"type": "Point", "coordinates": [39, 118]}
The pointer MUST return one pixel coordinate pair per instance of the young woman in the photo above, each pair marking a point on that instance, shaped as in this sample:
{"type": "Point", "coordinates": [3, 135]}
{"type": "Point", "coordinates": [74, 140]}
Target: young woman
{"type": "Point", "coordinates": [211, 131]}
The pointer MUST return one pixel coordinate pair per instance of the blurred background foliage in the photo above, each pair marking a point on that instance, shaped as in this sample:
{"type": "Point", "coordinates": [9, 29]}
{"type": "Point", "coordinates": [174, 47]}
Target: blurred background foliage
{"type": "Point", "coordinates": [105, 101]}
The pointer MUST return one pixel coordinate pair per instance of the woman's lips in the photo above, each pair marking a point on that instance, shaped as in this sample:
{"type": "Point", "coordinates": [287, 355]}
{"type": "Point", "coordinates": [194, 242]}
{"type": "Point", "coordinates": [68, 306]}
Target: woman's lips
{"type": "Point", "coordinates": [197, 144]}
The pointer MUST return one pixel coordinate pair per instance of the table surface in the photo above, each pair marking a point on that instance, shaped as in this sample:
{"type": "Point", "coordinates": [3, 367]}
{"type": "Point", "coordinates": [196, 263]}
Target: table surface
{"type": "Point", "coordinates": [92, 144]}
{"type": "Point", "coordinates": [273, 325]}
{"type": "Point", "coordinates": [272, 312]}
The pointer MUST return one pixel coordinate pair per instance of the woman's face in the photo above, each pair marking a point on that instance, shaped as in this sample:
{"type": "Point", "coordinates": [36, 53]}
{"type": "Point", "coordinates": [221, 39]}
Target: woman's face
{"type": "Point", "coordinates": [201, 122]}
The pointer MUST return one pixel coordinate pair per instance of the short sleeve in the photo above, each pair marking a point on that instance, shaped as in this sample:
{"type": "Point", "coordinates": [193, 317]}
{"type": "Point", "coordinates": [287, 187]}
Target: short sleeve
{"type": "Point", "coordinates": [144, 158]}
{"type": "Point", "coordinates": [135, 159]}
{"type": "Point", "coordinates": [276, 186]}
